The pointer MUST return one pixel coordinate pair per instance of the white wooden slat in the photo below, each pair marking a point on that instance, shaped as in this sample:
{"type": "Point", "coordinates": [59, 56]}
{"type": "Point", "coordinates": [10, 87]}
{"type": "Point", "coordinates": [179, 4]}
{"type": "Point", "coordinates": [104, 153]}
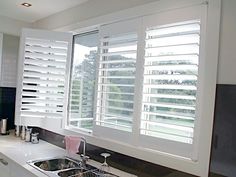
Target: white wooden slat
{"type": "Point", "coordinates": [167, 136]}
{"type": "Point", "coordinates": [169, 132]}
{"type": "Point", "coordinates": [46, 50]}
{"type": "Point", "coordinates": [117, 100]}
{"type": "Point", "coordinates": [115, 117]}
{"type": "Point", "coordinates": [169, 126]}
{"type": "Point", "coordinates": [45, 56]}
{"type": "Point", "coordinates": [115, 124]}
{"type": "Point", "coordinates": [43, 95]}
{"type": "Point", "coordinates": [116, 108]}
{"type": "Point", "coordinates": [118, 53]}
{"type": "Point", "coordinates": [44, 69]}
{"type": "Point", "coordinates": [117, 61]}
{"type": "Point", "coordinates": [116, 77]}
{"type": "Point", "coordinates": [167, 114]}
{"type": "Point", "coordinates": [171, 45]}
{"type": "Point", "coordinates": [43, 88]}
{"type": "Point", "coordinates": [46, 43]}
{"type": "Point", "coordinates": [118, 45]}
{"type": "Point", "coordinates": [118, 85]}
{"type": "Point", "coordinates": [171, 67]}
{"type": "Point", "coordinates": [44, 101]}
{"type": "Point", "coordinates": [185, 57]}
{"type": "Point", "coordinates": [196, 32]}
{"type": "Point", "coordinates": [177, 122]}
{"type": "Point", "coordinates": [172, 87]}
{"type": "Point", "coordinates": [45, 62]}
{"type": "Point", "coordinates": [117, 69]}
{"type": "Point", "coordinates": [58, 77]}
{"type": "Point", "coordinates": [40, 81]}
{"type": "Point", "coordinates": [123, 38]}
{"type": "Point", "coordinates": [170, 77]}
{"type": "Point", "coordinates": [170, 105]}
{"type": "Point", "coordinates": [38, 113]}
{"type": "Point", "coordinates": [184, 97]}
{"type": "Point", "coordinates": [41, 108]}
{"type": "Point", "coordinates": [191, 25]}
{"type": "Point", "coordinates": [116, 93]}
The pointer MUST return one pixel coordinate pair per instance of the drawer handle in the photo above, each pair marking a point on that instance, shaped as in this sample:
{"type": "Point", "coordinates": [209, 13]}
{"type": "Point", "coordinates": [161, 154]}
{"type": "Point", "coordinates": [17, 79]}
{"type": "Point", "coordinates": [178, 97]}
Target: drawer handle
{"type": "Point", "coordinates": [4, 162]}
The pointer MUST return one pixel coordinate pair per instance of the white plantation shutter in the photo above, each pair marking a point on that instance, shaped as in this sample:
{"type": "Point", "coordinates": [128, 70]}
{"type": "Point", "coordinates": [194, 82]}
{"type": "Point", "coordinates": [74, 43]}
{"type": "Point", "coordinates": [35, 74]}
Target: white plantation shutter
{"type": "Point", "coordinates": [116, 79]}
{"type": "Point", "coordinates": [43, 76]}
{"type": "Point", "coordinates": [171, 81]}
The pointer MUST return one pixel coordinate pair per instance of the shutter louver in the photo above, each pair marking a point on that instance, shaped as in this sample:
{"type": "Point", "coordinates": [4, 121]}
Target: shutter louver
{"type": "Point", "coordinates": [170, 81]}
{"type": "Point", "coordinates": [116, 81]}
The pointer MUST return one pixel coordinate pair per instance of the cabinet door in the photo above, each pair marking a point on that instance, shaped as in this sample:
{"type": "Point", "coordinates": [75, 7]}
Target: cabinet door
{"type": "Point", "coordinates": [4, 166]}
{"type": "Point", "coordinates": [10, 45]}
{"type": "Point", "coordinates": [19, 171]}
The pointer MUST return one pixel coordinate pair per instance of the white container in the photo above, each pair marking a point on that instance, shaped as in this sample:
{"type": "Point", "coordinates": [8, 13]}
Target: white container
{"type": "Point", "coordinates": [23, 133]}
{"type": "Point", "coordinates": [27, 134]}
{"type": "Point", "coordinates": [35, 138]}
{"type": "Point", "coordinates": [3, 126]}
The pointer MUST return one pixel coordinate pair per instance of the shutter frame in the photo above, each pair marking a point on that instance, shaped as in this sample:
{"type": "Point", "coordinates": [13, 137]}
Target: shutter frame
{"type": "Point", "coordinates": [49, 40]}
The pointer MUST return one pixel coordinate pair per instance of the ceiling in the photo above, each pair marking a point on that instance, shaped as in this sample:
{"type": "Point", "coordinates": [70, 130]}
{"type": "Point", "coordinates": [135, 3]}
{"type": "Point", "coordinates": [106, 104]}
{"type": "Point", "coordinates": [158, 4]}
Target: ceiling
{"type": "Point", "coordinates": [39, 9]}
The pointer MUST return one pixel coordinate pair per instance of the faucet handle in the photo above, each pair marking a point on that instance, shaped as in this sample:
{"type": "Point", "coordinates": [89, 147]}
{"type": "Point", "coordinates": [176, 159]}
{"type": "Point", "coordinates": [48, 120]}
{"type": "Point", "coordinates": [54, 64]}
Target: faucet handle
{"type": "Point", "coordinates": [84, 157]}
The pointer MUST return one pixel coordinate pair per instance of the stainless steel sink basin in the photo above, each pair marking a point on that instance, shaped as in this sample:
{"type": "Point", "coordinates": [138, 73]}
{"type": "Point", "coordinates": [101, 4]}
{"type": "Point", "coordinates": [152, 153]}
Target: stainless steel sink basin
{"type": "Point", "coordinates": [67, 167]}
{"type": "Point", "coordinates": [84, 173]}
{"type": "Point", "coordinates": [56, 164]}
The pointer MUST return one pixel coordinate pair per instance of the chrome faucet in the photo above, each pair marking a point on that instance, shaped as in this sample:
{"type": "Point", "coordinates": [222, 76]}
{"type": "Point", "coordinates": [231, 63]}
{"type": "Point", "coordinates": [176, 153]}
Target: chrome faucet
{"type": "Point", "coordinates": [83, 156]}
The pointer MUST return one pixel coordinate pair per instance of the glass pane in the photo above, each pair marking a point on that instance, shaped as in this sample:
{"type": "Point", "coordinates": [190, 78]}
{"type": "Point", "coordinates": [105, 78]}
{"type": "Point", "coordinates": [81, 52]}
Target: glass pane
{"type": "Point", "coordinates": [82, 83]}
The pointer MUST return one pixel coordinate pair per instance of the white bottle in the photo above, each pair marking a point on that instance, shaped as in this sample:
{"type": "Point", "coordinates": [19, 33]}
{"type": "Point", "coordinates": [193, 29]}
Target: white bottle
{"type": "Point", "coordinates": [23, 133]}
{"type": "Point", "coordinates": [27, 134]}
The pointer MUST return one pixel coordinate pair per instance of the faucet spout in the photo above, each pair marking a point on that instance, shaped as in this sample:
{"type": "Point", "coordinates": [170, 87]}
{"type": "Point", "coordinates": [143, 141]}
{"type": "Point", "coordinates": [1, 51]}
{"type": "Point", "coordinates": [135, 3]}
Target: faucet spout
{"type": "Point", "coordinates": [83, 156]}
{"type": "Point", "coordinates": [84, 147]}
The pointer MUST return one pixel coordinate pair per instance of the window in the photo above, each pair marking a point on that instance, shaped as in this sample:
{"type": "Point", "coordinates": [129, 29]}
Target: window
{"type": "Point", "coordinates": [82, 84]}
{"type": "Point", "coordinates": [142, 87]}
{"type": "Point", "coordinates": [148, 95]}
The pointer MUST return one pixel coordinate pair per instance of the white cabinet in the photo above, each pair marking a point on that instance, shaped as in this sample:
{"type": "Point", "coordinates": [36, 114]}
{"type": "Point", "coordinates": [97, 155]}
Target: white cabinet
{"type": "Point", "coordinates": [8, 168]}
{"type": "Point", "coordinates": [9, 46]}
{"type": "Point", "coordinates": [18, 171]}
{"type": "Point", "coordinates": [4, 166]}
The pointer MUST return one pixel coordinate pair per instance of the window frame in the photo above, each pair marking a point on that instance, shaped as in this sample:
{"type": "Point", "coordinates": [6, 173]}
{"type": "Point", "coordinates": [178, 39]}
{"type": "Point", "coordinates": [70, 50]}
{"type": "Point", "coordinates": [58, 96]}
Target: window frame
{"type": "Point", "coordinates": [197, 167]}
{"type": "Point", "coordinates": [67, 122]}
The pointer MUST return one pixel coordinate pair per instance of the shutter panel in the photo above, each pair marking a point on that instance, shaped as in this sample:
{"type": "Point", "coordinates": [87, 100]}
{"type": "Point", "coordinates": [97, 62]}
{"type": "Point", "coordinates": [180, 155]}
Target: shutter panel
{"type": "Point", "coordinates": [116, 80]}
{"type": "Point", "coordinates": [43, 73]}
{"type": "Point", "coordinates": [170, 85]}
{"type": "Point", "coordinates": [170, 81]}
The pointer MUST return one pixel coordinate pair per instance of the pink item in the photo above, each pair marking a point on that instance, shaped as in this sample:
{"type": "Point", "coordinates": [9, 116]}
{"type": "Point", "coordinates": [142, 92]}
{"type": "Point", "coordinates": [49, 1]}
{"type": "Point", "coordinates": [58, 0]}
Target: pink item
{"type": "Point", "coordinates": [72, 144]}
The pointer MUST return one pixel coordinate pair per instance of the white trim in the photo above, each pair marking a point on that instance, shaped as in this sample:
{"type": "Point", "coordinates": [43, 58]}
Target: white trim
{"type": "Point", "coordinates": [201, 166]}
{"type": "Point", "coordinates": [1, 50]}
{"type": "Point", "coordinates": [130, 13]}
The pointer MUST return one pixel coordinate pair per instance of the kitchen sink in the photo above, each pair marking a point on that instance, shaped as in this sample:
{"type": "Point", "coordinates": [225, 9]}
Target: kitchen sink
{"type": "Point", "coordinates": [67, 167]}
{"type": "Point", "coordinates": [84, 173]}
{"type": "Point", "coordinates": [56, 164]}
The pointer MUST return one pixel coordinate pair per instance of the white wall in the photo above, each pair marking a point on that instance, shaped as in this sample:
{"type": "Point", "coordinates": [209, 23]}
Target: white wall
{"type": "Point", "coordinates": [227, 57]}
{"type": "Point", "coordinates": [12, 26]}
{"type": "Point", "coordinates": [85, 11]}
